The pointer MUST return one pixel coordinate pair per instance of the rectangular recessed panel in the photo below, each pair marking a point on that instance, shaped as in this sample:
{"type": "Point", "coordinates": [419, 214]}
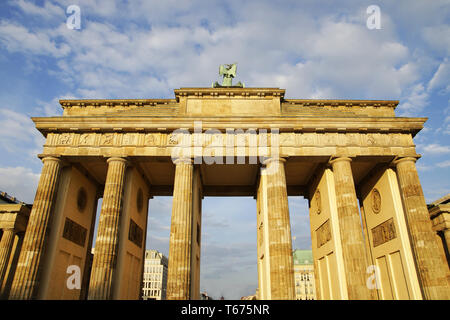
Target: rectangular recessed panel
{"type": "Point", "coordinates": [324, 281]}
{"type": "Point", "coordinates": [333, 275]}
{"type": "Point", "coordinates": [135, 234]}
{"type": "Point", "coordinates": [384, 232]}
{"type": "Point", "coordinates": [74, 232]}
{"type": "Point", "coordinates": [398, 275]}
{"type": "Point", "coordinates": [384, 279]}
{"type": "Point", "coordinates": [323, 234]}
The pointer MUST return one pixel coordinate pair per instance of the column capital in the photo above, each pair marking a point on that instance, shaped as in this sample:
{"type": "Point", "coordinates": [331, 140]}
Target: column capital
{"type": "Point", "coordinates": [51, 158]}
{"type": "Point", "coordinates": [119, 159]}
{"type": "Point", "coordinates": [398, 160]}
{"type": "Point", "coordinates": [268, 160]}
{"type": "Point", "coordinates": [336, 159]}
{"type": "Point", "coordinates": [54, 158]}
{"type": "Point", "coordinates": [13, 230]}
{"type": "Point", "coordinates": [181, 160]}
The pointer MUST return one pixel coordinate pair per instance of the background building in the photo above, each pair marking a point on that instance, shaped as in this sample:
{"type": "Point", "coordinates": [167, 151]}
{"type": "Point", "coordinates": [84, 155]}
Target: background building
{"type": "Point", "coordinates": [440, 218]}
{"type": "Point", "coordinates": [155, 276]}
{"type": "Point", "coordinates": [13, 223]}
{"type": "Point", "coordinates": [304, 275]}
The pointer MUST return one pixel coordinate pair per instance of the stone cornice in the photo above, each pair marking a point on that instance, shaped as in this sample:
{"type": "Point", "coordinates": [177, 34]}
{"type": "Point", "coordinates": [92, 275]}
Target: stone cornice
{"type": "Point", "coordinates": [341, 103]}
{"type": "Point", "coordinates": [115, 102]}
{"type": "Point", "coordinates": [229, 92]}
{"type": "Point", "coordinates": [284, 123]}
{"type": "Point", "coordinates": [11, 207]}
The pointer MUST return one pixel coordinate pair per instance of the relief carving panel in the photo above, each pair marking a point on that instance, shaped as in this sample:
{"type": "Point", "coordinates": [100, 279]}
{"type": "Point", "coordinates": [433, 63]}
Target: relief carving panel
{"type": "Point", "coordinates": [384, 232]}
{"type": "Point", "coordinates": [152, 139]}
{"type": "Point", "coordinates": [107, 139]}
{"type": "Point", "coordinates": [74, 232]}
{"type": "Point", "coordinates": [376, 200]}
{"type": "Point", "coordinates": [318, 202]}
{"type": "Point", "coordinates": [66, 138]}
{"type": "Point", "coordinates": [323, 233]}
{"type": "Point", "coordinates": [87, 139]}
{"type": "Point", "coordinates": [135, 234]}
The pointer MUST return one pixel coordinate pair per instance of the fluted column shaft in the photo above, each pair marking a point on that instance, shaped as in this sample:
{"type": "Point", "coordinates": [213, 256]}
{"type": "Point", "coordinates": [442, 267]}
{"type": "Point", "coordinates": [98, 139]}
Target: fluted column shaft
{"type": "Point", "coordinates": [353, 251]}
{"type": "Point", "coordinates": [179, 269]}
{"type": "Point", "coordinates": [280, 242]}
{"type": "Point", "coordinates": [26, 279]}
{"type": "Point", "coordinates": [6, 245]}
{"type": "Point", "coordinates": [107, 241]}
{"type": "Point", "coordinates": [433, 273]}
{"type": "Point", "coordinates": [447, 238]}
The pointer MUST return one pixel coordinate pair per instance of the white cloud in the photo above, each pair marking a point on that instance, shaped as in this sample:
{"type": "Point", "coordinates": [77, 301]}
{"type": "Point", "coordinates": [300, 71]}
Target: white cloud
{"type": "Point", "coordinates": [423, 167]}
{"type": "Point", "coordinates": [104, 9]}
{"type": "Point", "coordinates": [438, 36]}
{"type": "Point", "coordinates": [51, 108]}
{"type": "Point", "coordinates": [326, 57]}
{"type": "Point", "coordinates": [435, 148]}
{"type": "Point", "coordinates": [17, 38]}
{"type": "Point", "coordinates": [444, 164]}
{"type": "Point", "coordinates": [415, 101]}
{"type": "Point", "coordinates": [18, 133]}
{"type": "Point", "coordinates": [441, 78]}
{"type": "Point", "coordinates": [19, 182]}
{"type": "Point", "coordinates": [48, 11]}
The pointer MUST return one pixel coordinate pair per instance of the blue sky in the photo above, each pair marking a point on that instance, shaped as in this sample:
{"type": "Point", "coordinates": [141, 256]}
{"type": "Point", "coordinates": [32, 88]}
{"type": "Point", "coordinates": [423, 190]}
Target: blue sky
{"type": "Point", "coordinates": [145, 49]}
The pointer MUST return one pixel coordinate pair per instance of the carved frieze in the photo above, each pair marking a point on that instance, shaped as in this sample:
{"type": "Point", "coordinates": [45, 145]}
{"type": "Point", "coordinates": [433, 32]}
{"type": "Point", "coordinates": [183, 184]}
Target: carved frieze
{"type": "Point", "coordinates": [287, 139]}
{"type": "Point", "coordinates": [172, 139]}
{"type": "Point", "coordinates": [239, 138]}
{"type": "Point", "coordinates": [87, 139]}
{"type": "Point", "coordinates": [129, 139]}
{"type": "Point", "coordinates": [152, 139]}
{"type": "Point", "coordinates": [307, 139]}
{"type": "Point", "coordinates": [66, 138]}
{"type": "Point", "coordinates": [107, 139]}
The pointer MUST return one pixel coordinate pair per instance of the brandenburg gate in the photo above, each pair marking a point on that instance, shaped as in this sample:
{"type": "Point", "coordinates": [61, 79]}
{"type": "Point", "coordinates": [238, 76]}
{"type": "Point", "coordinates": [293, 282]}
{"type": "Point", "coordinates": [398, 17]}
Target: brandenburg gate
{"type": "Point", "coordinates": [354, 160]}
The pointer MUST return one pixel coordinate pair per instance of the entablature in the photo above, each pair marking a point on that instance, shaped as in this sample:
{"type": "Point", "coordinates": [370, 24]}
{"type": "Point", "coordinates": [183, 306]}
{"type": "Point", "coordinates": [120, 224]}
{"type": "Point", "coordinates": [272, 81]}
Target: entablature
{"type": "Point", "coordinates": [282, 123]}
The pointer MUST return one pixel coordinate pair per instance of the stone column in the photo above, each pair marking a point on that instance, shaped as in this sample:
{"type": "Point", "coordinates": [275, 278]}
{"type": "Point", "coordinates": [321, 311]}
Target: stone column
{"type": "Point", "coordinates": [106, 244]}
{"type": "Point", "coordinates": [353, 252]}
{"type": "Point", "coordinates": [280, 242]}
{"type": "Point", "coordinates": [179, 269]}
{"type": "Point", "coordinates": [27, 277]}
{"type": "Point", "coordinates": [433, 274]}
{"type": "Point", "coordinates": [447, 238]}
{"type": "Point", "coordinates": [6, 245]}
{"type": "Point", "coordinates": [8, 276]}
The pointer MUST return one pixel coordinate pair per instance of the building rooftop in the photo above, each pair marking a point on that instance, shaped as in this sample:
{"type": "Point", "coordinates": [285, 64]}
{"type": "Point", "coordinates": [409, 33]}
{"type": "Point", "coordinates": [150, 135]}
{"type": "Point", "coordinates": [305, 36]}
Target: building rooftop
{"type": "Point", "coordinates": [444, 200]}
{"type": "Point", "coordinates": [302, 257]}
{"type": "Point", "coordinates": [6, 198]}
